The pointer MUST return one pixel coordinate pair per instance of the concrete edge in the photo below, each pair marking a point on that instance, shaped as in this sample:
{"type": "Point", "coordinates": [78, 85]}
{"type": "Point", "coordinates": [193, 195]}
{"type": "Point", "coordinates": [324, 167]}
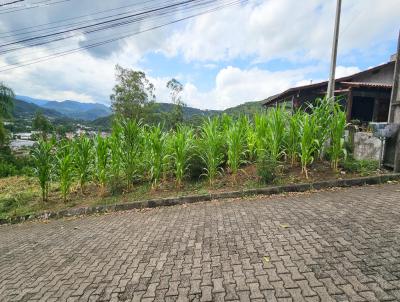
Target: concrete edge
{"type": "Point", "coordinates": [170, 201]}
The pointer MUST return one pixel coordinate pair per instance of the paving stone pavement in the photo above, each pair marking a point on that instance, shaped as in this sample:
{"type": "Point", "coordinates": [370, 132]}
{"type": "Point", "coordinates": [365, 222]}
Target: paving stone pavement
{"type": "Point", "coordinates": [336, 245]}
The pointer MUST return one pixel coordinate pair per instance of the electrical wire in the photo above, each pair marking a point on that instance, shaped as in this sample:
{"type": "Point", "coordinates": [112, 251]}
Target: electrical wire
{"type": "Point", "coordinates": [147, 15]}
{"type": "Point", "coordinates": [89, 46]}
{"type": "Point", "coordinates": [35, 5]}
{"type": "Point", "coordinates": [12, 2]}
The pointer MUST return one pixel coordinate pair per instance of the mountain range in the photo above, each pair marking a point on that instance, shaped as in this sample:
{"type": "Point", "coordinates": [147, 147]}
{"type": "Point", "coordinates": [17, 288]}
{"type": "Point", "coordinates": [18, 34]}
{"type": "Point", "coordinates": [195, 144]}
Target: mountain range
{"type": "Point", "coordinates": [96, 113]}
{"type": "Point", "coordinates": [70, 109]}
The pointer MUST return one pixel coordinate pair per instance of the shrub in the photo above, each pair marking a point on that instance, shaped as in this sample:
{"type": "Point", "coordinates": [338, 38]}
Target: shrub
{"type": "Point", "coordinates": [267, 169]}
{"type": "Point", "coordinates": [364, 167]}
{"type": "Point", "coordinates": [7, 169]}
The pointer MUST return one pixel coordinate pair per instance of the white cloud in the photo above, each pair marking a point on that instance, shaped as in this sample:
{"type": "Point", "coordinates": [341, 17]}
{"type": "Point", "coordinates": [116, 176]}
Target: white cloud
{"type": "Point", "coordinates": [234, 86]}
{"type": "Point", "coordinates": [288, 29]}
{"type": "Point", "coordinates": [342, 71]}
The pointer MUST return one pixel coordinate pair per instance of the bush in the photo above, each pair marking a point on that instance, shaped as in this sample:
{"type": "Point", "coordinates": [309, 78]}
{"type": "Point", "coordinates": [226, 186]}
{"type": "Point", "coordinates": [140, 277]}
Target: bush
{"type": "Point", "coordinates": [267, 169]}
{"type": "Point", "coordinates": [364, 167]}
{"type": "Point", "coordinates": [7, 169]}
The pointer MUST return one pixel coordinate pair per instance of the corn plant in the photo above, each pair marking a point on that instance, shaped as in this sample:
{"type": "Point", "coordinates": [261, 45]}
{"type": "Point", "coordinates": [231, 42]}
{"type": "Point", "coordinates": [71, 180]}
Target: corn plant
{"type": "Point", "coordinates": [308, 141]}
{"type": "Point", "coordinates": [236, 143]}
{"type": "Point", "coordinates": [101, 146]}
{"type": "Point", "coordinates": [293, 137]}
{"type": "Point", "coordinates": [115, 166]}
{"type": "Point", "coordinates": [322, 113]}
{"type": "Point", "coordinates": [211, 146]}
{"type": "Point", "coordinates": [276, 132]}
{"type": "Point", "coordinates": [251, 141]}
{"type": "Point", "coordinates": [156, 153]}
{"type": "Point", "coordinates": [43, 166]}
{"type": "Point", "coordinates": [83, 160]}
{"type": "Point", "coordinates": [181, 147]}
{"type": "Point", "coordinates": [131, 149]}
{"type": "Point", "coordinates": [65, 168]}
{"type": "Point", "coordinates": [261, 128]}
{"type": "Point", "coordinates": [337, 126]}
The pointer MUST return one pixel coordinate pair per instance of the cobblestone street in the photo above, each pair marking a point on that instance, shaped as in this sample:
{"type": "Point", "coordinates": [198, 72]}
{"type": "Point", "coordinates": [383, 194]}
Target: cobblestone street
{"type": "Point", "coordinates": [335, 245]}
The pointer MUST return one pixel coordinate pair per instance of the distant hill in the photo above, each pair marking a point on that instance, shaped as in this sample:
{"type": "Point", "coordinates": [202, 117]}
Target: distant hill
{"type": "Point", "coordinates": [77, 110]}
{"type": "Point", "coordinates": [248, 108]}
{"type": "Point", "coordinates": [38, 102]}
{"type": "Point", "coordinates": [71, 109]}
{"type": "Point", "coordinates": [188, 112]}
{"type": "Point", "coordinates": [24, 109]}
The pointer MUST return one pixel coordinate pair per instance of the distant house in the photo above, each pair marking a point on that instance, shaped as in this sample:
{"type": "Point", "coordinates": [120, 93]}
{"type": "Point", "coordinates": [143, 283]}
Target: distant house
{"type": "Point", "coordinates": [365, 95]}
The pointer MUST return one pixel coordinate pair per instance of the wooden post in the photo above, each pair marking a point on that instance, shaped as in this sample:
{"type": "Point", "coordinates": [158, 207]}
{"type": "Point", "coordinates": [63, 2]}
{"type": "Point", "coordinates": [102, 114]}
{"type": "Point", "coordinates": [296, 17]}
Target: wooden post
{"type": "Point", "coordinates": [349, 104]}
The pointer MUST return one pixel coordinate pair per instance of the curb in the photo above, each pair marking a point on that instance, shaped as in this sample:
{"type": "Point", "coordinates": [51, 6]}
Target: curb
{"type": "Point", "coordinates": [171, 201]}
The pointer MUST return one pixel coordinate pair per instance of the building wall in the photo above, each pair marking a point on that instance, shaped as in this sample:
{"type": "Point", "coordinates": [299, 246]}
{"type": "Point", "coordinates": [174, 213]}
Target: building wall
{"type": "Point", "coordinates": [383, 75]}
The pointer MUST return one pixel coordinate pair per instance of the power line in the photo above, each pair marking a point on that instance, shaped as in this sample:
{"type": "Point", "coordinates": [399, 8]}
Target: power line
{"type": "Point", "coordinates": [95, 24]}
{"type": "Point", "coordinates": [101, 26]}
{"type": "Point", "coordinates": [10, 33]}
{"type": "Point", "coordinates": [35, 5]}
{"type": "Point", "coordinates": [64, 53]}
{"type": "Point", "coordinates": [147, 18]}
{"type": "Point", "coordinates": [9, 3]}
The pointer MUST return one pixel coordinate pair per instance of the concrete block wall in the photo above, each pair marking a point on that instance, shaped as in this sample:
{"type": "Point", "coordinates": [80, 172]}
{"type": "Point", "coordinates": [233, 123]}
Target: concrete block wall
{"type": "Point", "coordinates": [366, 146]}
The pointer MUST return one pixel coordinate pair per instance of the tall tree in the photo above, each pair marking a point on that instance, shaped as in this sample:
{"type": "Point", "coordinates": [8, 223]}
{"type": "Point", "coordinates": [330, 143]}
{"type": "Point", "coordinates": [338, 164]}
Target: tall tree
{"type": "Point", "coordinates": [176, 89]}
{"type": "Point", "coordinates": [6, 106]}
{"type": "Point", "coordinates": [41, 123]}
{"type": "Point", "coordinates": [133, 95]}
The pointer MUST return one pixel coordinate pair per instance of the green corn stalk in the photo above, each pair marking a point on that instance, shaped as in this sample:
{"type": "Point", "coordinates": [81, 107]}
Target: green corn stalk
{"type": "Point", "coordinates": [131, 149]}
{"type": "Point", "coordinates": [65, 165]}
{"type": "Point", "coordinates": [322, 112]}
{"type": "Point", "coordinates": [275, 135]}
{"type": "Point", "coordinates": [261, 128]}
{"type": "Point", "coordinates": [83, 159]}
{"type": "Point", "coordinates": [101, 146]}
{"type": "Point", "coordinates": [236, 143]}
{"type": "Point", "coordinates": [211, 145]}
{"type": "Point", "coordinates": [308, 141]}
{"type": "Point", "coordinates": [293, 137]}
{"type": "Point", "coordinates": [115, 159]}
{"type": "Point", "coordinates": [337, 127]}
{"type": "Point", "coordinates": [157, 147]}
{"type": "Point", "coordinates": [182, 147]}
{"type": "Point", "coordinates": [43, 165]}
{"type": "Point", "coordinates": [251, 140]}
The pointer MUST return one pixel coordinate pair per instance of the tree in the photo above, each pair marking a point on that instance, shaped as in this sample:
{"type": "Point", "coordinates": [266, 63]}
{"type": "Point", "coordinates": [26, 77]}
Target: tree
{"type": "Point", "coordinates": [133, 95]}
{"type": "Point", "coordinates": [176, 89]}
{"type": "Point", "coordinates": [6, 107]}
{"type": "Point", "coordinates": [41, 123]}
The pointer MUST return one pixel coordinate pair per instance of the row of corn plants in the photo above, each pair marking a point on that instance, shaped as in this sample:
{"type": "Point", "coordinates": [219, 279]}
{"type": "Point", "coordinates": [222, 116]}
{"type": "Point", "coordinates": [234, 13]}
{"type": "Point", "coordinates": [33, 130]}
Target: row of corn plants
{"type": "Point", "coordinates": [138, 153]}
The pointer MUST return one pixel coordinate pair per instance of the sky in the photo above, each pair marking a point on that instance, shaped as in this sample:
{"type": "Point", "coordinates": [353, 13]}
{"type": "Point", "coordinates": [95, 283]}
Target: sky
{"type": "Point", "coordinates": [224, 58]}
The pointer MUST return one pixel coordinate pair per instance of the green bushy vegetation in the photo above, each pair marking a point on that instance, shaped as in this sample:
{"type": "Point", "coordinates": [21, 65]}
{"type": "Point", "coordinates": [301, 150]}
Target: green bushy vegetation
{"type": "Point", "coordinates": [363, 167]}
{"type": "Point", "coordinates": [140, 153]}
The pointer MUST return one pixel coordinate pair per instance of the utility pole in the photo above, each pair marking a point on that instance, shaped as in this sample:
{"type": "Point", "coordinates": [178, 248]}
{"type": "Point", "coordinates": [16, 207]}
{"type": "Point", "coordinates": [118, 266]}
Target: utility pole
{"type": "Point", "coordinates": [394, 107]}
{"type": "Point", "coordinates": [331, 83]}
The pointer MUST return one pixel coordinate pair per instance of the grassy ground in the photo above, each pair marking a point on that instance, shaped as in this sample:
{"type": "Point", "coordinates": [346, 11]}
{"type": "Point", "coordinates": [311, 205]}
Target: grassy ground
{"type": "Point", "coordinates": [20, 195]}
